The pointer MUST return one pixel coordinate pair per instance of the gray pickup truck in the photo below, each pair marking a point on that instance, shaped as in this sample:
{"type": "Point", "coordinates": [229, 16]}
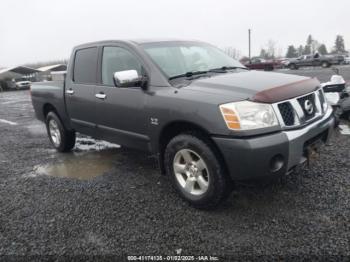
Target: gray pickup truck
{"type": "Point", "coordinates": [315, 60]}
{"type": "Point", "coordinates": [208, 119]}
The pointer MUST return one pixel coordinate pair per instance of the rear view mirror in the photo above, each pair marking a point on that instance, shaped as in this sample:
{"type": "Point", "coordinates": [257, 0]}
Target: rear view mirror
{"type": "Point", "coordinates": [127, 78]}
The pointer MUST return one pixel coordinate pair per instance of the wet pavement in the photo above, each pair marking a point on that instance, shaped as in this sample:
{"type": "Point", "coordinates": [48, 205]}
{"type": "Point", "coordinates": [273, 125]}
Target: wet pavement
{"type": "Point", "coordinates": [104, 200]}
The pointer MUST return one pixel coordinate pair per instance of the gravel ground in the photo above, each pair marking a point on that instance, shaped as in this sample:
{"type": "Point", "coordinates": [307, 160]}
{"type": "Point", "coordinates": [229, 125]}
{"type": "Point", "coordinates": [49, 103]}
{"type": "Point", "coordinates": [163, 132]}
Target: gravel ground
{"type": "Point", "coordinates": [130, 209]}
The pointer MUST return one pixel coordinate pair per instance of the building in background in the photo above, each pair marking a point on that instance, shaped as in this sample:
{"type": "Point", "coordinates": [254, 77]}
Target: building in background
{"type": "Point", "coordinates": [17, 77]}
{"type": "Point", "coordinates": [46, 72]}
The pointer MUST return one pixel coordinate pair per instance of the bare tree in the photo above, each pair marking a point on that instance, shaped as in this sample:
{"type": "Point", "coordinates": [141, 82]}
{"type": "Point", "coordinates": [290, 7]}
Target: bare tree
{"type": "Point", "coordinates": [233, 52]}
{"type": "Point", "coordinates": [271, 48]}
{"type": "Point", "coordinates": [279, 53]}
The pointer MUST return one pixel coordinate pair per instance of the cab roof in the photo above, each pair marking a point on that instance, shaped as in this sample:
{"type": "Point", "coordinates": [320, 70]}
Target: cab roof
{"type": "Point", "coordinates": [135, 41]}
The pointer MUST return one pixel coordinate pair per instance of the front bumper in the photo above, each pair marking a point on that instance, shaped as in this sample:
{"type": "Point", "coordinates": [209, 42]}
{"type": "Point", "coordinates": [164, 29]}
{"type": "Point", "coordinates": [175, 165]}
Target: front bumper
{"type": "Point", "coordinates": [273, 154]}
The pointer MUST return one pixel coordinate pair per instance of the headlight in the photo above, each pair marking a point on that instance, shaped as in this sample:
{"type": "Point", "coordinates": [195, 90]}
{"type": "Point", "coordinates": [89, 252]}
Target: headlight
{"type": "Point", "coordinates": [246, 115]}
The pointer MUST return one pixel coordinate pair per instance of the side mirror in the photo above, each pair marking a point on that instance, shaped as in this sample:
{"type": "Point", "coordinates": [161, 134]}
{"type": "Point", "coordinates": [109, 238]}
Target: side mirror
{"type": "Point", "coordinates": [127, 78]}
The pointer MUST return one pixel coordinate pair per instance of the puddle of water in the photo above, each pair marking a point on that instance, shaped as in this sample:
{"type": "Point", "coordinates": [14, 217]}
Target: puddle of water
{"type": "Point", "coordinates": [79, 166]}
{"type": "Point", "coordinates": [90, 158]}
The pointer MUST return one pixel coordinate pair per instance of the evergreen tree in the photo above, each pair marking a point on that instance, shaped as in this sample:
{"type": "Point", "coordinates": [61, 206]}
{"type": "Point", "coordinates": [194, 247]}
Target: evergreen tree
{"type": "Point", "coordinates": [309, 40]}
{"type": "Point", "coordinates": [322, 49]}
{"type": "Point", "coordinates": [291, 52]}
{"type": "Point", "coordinates": [300, 50]}
{"type": "Point", "coordinates": [339, 44]}
{"type": "Point", "coordinates": [307, 49]}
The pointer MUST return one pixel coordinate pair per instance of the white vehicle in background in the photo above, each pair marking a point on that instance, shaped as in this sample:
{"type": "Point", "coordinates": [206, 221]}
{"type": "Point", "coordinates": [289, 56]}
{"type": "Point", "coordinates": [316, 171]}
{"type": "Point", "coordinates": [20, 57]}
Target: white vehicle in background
{"type": "Point", "coordinates": [347, 60]}
{"type": "Point", "coordinates": [338, 96]}
{"type": "Point", "coordinates": [22, 84]}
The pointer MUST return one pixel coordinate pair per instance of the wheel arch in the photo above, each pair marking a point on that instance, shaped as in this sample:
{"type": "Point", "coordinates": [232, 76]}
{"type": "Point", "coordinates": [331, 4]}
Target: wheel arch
{"type": "Point", "coordinates": [175, 128]}
{"type": "Point", "coordinates": [47, 108]}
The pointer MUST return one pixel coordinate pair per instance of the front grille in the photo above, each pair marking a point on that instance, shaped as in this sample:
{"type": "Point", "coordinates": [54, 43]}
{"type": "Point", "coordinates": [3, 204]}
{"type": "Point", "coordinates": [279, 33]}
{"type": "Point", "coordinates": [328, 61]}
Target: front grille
{"type": "Point", "coordinates": [300, 110]}
{"type": "Point", "coordinates": [308, 106]}
{"type": "Point", "coordinates": [287, 113]}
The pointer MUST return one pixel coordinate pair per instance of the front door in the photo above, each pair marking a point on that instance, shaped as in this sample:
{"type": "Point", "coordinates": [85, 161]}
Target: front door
{"type": "Point", "coordinates": [80, 91]}
{"type": "Point", "coordinates": [121, 115]}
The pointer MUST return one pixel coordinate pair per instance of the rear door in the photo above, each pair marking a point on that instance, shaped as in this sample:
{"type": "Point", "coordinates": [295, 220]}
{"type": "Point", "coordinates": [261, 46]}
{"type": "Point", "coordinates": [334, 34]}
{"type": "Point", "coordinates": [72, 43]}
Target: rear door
{"type": "Point", "coordinates": [80, 90]}
{"type": "Point", "coordinates": [121, 111]}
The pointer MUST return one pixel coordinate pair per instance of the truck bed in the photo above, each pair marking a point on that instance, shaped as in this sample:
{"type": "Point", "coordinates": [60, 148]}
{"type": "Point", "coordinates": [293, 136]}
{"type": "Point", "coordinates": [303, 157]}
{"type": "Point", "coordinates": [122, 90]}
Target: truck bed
{"type": "Point", "coordinates": [45, 94]}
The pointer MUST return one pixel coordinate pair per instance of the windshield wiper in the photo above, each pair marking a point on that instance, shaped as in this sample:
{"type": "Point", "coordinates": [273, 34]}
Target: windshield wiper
{"type": "Point", "coordinates": [224, 69]}
{"type": "Point", "coordinates": [189, 74]}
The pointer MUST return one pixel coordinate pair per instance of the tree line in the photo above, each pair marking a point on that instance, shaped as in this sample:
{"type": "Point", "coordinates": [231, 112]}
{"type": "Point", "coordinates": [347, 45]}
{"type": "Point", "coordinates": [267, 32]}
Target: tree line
{"type": "Point", "coordinates": [270, 51]}
{"type": "Point", "coordinates": [313, 46]}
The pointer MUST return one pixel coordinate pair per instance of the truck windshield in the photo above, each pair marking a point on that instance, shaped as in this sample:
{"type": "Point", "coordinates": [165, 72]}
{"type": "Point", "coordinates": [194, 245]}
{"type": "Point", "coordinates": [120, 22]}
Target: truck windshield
{"type": "Point", "coordinates": [183, 58]}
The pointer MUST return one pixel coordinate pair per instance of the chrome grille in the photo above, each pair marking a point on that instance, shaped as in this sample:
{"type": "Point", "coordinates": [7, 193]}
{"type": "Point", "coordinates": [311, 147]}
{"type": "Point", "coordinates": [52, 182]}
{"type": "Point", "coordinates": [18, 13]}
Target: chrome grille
{"type": "Point", "coordinates": [300, 110]}
{"type": "Point", "coordinates": [287, 113]}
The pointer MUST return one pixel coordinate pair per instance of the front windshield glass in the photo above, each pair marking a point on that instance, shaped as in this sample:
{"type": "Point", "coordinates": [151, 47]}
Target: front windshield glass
{"type": "Point", "coordinates": [178, 58]}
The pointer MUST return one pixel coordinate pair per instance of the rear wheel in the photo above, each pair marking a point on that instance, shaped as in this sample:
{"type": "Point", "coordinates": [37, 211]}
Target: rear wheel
{"type": "Point", "coordinates": [269, 68]}
{"type": "Point", "coordinates": [197, 172]}
{"type": "Point", "coordinates": [61, 138]}
{"type": "Point", "coordinates": [293, 66]}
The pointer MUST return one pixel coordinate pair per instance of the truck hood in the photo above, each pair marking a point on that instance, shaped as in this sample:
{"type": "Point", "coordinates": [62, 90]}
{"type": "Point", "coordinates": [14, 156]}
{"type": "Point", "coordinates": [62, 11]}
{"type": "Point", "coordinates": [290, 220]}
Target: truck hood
{"type": "Point", "coordinates": [265, 87]}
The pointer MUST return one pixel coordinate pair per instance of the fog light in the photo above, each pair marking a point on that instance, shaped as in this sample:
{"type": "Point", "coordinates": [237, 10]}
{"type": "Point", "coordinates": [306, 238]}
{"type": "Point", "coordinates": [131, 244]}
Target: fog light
{"type": "Point", "coordinates": [276, 163]}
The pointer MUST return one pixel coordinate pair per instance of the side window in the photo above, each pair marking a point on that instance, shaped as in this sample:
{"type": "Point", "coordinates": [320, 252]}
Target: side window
{"type": "Point", "coordinates": [116, 59]}
{"type": "Point", "coordinates": [85, 64]}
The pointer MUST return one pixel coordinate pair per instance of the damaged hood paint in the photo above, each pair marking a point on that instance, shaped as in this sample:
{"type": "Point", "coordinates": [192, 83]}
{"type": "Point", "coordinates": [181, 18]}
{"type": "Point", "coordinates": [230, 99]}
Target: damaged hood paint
{"type": "Point", "coordinates": [265, 87]}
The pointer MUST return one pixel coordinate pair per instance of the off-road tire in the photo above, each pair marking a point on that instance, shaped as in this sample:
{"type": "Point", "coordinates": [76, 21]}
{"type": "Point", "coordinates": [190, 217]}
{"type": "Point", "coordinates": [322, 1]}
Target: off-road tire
{"type": "Point", "coordinates": [220, 184]}
{"type": "Point", "coordinates": [67, 137]}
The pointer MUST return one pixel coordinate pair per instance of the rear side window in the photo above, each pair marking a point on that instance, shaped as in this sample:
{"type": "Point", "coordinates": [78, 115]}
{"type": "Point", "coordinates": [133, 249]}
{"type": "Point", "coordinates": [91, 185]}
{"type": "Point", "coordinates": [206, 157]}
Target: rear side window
{"type": "Point", "coordinates": [85, 65]}
{"type": "Point", "coordinates": [116, 59]}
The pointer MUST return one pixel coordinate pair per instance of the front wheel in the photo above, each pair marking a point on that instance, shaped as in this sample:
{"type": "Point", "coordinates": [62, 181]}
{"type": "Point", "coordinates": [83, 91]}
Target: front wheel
{"type": "Point", "coordinates": [198, 174]}
{"type": "Point", "coordinates": [61, 138]}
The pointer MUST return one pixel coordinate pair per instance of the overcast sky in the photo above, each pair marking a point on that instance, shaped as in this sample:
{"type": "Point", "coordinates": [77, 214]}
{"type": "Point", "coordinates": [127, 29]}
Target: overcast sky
{"type": "Point", "coordinates": [42, 30]}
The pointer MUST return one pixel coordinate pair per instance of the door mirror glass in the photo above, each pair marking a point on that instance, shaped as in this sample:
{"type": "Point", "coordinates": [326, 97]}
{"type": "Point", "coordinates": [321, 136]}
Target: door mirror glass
{"type": "Point", "coordinates": [126, 78]}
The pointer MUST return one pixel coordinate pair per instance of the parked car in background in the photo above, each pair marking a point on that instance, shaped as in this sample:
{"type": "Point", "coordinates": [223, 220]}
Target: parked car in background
{"type": "Point", "coordinates": [260, 64]}
{"type": "Point", "coordinates": [314, 60]}
{"type": "Point", "coordinates": [206, 117]}
{"type": "Point", "coordinates": [22, 84]}
{"type": "Point", "coordinates": [347, 60]}
{"type": "Point", "coordinates": [284, 62]}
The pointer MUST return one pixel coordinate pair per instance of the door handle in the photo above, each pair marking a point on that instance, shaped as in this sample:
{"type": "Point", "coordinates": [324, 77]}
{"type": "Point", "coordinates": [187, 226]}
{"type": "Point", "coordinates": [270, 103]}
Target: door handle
{"type": "Point", "coordinates": [101, 96]}
{"type": "Point", "coordinates": [70, 91]}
